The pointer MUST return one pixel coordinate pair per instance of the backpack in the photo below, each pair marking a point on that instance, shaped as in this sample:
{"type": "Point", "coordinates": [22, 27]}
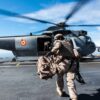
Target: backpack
{"type": "Point", "coordinates": [67, 49]}
{"type": "Point", "coordinates": [45, 70]}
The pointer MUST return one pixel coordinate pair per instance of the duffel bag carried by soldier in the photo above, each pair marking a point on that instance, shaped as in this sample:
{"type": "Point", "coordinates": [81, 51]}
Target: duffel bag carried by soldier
{"type": "Point", "coordinates": [45, 69]}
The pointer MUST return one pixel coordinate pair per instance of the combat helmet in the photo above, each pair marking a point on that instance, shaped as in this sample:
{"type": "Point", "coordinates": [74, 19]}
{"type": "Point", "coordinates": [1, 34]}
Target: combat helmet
{"type": "Point", "coordinates": [58, 37]}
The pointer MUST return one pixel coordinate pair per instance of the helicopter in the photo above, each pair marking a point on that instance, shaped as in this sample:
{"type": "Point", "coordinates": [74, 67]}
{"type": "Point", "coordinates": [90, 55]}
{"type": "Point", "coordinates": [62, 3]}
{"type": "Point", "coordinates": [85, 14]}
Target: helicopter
{"type": "Point", "coordinates": [36, 45]}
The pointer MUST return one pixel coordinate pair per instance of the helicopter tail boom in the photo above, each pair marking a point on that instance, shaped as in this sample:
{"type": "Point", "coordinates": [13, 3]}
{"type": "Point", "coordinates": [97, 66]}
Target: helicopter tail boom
{"type": "Point", "coordinates": [7, 43]}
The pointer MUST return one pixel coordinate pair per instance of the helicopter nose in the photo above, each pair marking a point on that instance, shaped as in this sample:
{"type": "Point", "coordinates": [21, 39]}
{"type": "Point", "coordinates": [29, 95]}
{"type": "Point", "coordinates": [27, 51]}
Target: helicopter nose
{"type": "Point", "coordinates": [91, 47]}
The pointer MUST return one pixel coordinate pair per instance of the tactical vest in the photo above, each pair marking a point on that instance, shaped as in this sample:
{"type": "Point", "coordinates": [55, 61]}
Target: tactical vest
{"type": "Point", "coordinates": [66, 49]}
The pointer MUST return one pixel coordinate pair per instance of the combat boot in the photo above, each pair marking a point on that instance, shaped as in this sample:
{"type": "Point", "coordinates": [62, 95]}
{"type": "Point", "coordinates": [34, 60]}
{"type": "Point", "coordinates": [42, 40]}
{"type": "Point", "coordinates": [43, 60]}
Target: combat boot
{"type": "Point", "coordinates": [62, 93]}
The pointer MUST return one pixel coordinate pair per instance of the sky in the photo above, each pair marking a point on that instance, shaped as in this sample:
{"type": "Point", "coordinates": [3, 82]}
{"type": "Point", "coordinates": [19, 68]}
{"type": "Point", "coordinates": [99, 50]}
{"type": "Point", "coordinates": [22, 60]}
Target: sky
{"type": "Point", "coordinates": [49, 10]}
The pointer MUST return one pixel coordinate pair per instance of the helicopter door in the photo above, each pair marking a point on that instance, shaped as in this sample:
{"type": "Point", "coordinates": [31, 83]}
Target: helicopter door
{"type": "Point", "coordinates": [44, 45]}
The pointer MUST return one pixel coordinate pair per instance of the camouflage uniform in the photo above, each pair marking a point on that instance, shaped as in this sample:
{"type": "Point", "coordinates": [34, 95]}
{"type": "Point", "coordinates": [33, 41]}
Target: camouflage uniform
{"type": "Point", "coordinates": [62, 65]}
{"type": "Point", "coordinates": [45, 69]}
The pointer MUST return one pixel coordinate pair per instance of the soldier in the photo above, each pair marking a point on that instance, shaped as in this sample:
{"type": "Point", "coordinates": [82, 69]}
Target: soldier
{"type": "Point", "coordinates": [62, 65]}
{"type": "Point", "coordinates": [46, 46]}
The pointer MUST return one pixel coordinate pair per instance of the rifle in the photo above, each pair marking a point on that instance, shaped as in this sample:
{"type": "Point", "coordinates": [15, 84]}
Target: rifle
{"type": "Point", "coordinates": [78, 77]}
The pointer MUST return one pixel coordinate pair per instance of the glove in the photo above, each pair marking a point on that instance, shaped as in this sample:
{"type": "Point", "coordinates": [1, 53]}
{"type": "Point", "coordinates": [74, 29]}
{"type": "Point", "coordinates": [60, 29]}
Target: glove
{"type": "Point", "coordinates": [76, 53]}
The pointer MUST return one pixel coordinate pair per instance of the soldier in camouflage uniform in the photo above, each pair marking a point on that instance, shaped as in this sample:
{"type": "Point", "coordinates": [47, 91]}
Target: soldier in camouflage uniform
{"type": "Point", "coordinates": [62, 64]}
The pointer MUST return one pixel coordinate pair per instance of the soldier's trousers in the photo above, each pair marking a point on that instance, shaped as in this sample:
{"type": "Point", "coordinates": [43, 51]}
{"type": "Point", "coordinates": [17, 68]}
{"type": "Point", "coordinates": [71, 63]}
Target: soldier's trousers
{"type": "Point", "coordinates": [70, 76]}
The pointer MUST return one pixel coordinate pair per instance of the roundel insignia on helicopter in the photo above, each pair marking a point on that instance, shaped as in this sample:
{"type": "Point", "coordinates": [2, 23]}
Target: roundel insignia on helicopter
{"type": "Point", "coordinates": [23, 42]}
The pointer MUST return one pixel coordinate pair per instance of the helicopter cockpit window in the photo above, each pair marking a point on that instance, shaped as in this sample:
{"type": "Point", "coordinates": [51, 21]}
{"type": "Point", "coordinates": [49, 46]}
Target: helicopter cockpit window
{"type": "Point", "coordinates": [82, 33]}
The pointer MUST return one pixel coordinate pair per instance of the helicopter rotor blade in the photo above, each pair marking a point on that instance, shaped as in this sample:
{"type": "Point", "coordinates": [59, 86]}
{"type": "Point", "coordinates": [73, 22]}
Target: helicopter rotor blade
{"type": "Point", "coordinates": [13, 14]}
{"type": "Point", "coordinates": [88, 25]}
{"type": "Point", "coordinates": [75, 8]}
